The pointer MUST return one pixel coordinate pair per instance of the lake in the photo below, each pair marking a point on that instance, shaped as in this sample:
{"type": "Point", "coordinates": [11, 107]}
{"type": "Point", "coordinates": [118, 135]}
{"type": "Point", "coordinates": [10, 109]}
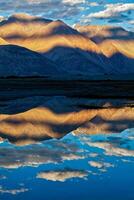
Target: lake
{"type": "Point", "coordinates": [76, 167]}
{"type": "Point", "coordinates": [63, 147]}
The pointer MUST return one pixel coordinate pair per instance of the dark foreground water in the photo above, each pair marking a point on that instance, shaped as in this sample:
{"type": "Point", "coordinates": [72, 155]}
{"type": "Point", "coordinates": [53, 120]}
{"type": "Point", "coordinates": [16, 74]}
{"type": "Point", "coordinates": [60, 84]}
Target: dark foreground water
{"type": "Point", "coordinates": [76, 167]}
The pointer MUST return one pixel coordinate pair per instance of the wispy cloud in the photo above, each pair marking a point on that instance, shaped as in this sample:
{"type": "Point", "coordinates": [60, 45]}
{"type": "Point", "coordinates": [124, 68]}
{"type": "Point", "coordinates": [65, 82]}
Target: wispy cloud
{"type": "Point", "coordinates": [112, 10]}
{"type": "Point", "coordinates": [93, 4]}
{"type": "Point", "coordinates": [73, 11]}
{"type": "Point", "coordinates": [100, 164]}
{"type": "Point", "coordinates": [52, 152]}
{"type": "Point", "coordinates": [131, 22]}
{"type": "Point", "coordinates": [46, 8]}
{"type": "Point", "coordinates": [113, 13]}
{"type": "Point", "coordinates": [112, 149]}
{"type": "Point", "coordinates": [12, 191]}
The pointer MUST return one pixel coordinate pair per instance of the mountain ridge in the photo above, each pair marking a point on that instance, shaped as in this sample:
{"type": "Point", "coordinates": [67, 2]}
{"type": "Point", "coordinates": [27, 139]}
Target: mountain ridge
{"type": "Point", "coordinates": [102, 51]}
{"type": "Point", "coordinates": [19, 61]}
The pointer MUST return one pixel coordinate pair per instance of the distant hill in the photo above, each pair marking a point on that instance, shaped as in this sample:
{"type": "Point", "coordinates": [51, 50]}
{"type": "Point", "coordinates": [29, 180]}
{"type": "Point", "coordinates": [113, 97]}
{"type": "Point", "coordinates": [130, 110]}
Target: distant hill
{"type": "Point", "coordinates": [83, 50]}
{"type": "Point", "coordinates": [116, 43]}
{"type": "Point", "coordinates": [117, 38]}
{"type": "Point", "coordinates": [99, 33]}
{"type": "Point", "coordinates": [19, 61]}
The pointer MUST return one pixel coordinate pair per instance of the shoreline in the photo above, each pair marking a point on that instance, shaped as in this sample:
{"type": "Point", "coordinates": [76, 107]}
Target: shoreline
{"type": "Point", "coordinates": [14, 88]}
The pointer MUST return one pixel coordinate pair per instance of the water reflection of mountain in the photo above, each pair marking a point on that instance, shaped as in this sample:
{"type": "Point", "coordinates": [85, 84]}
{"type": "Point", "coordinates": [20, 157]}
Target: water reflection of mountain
{"type": "Point", "coordinates": [38, 118]}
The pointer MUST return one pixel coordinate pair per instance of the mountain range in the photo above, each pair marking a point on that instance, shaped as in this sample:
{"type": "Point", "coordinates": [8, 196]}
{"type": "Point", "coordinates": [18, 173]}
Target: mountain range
{"type": "Point", "coordinates": [34, 46]}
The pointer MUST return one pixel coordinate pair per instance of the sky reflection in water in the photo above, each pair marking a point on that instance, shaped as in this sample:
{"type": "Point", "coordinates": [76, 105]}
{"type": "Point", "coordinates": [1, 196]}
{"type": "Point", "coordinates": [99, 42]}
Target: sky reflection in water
{"type": "Point", "coordinates": [82, 167]}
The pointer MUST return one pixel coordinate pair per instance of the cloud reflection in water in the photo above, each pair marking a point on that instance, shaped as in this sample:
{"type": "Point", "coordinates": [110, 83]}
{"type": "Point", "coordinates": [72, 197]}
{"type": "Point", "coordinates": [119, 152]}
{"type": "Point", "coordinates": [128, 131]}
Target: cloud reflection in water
{"type": "Point", "coordinates": [74, 158]}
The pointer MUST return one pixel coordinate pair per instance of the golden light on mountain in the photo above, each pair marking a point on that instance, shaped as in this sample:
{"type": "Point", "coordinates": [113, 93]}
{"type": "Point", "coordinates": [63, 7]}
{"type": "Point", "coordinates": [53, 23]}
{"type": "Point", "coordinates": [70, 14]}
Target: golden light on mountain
{"type": "Point", "coordinates": [110, 39]}
{"type": "Point", "coordinates": [43, 37]}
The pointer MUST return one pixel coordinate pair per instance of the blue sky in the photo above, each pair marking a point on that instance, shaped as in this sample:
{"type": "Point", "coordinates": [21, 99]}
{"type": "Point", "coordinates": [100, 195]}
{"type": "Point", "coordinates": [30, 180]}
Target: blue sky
{"type": "Point", "coordinates": [112, 12]}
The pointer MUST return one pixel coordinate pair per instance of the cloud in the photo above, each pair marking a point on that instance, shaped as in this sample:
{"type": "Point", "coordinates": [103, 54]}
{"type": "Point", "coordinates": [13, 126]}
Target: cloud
{"type": "Point", "coordinates": [112, 150]}
{"type": "Point", "coordinates": [51, 152]}
{"type": "Point", "coordinates": [46, 8]}
{"type": "Point", "coordinates": [72, 2]}
{"type": "Point", "coordinates": [120, 145]}
{"type": "Point", "coordinates": [131, 22]}
{"type": "Point", "coordinates": [93, 155]}
{"type": "Point", "coordinates": [35, 1]}
{"type": "Point", "coordinates": [62, 175]}
{"type": "Point", "coordinates": [12, 191]}
{"type": "Point", "coordinates": [72, 11]}
{"type": "Point", "coordinates": [110, 13]}
{"type": "Point", "coordinates": [93, 4]}
{"type": "Point", "coordinates": [1, 18]}
{"type": "Point", "coordinates": [70, 148]}
{"type": "Point", "coordinates": [112, 10]}
{"type": "Point", "coordinates": [100, 164]}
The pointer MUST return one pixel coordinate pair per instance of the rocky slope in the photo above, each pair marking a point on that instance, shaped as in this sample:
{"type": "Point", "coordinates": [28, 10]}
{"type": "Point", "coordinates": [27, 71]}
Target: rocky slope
{"type": "Point", "coordinates": [19, 61]}
{"type": "Point", "coordinates": [89, 50]}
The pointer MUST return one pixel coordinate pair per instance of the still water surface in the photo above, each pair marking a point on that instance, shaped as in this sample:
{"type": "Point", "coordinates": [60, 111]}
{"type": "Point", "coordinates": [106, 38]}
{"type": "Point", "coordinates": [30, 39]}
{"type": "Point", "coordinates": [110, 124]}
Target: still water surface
{"type": "Point", "coordinates": [79, 167]}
